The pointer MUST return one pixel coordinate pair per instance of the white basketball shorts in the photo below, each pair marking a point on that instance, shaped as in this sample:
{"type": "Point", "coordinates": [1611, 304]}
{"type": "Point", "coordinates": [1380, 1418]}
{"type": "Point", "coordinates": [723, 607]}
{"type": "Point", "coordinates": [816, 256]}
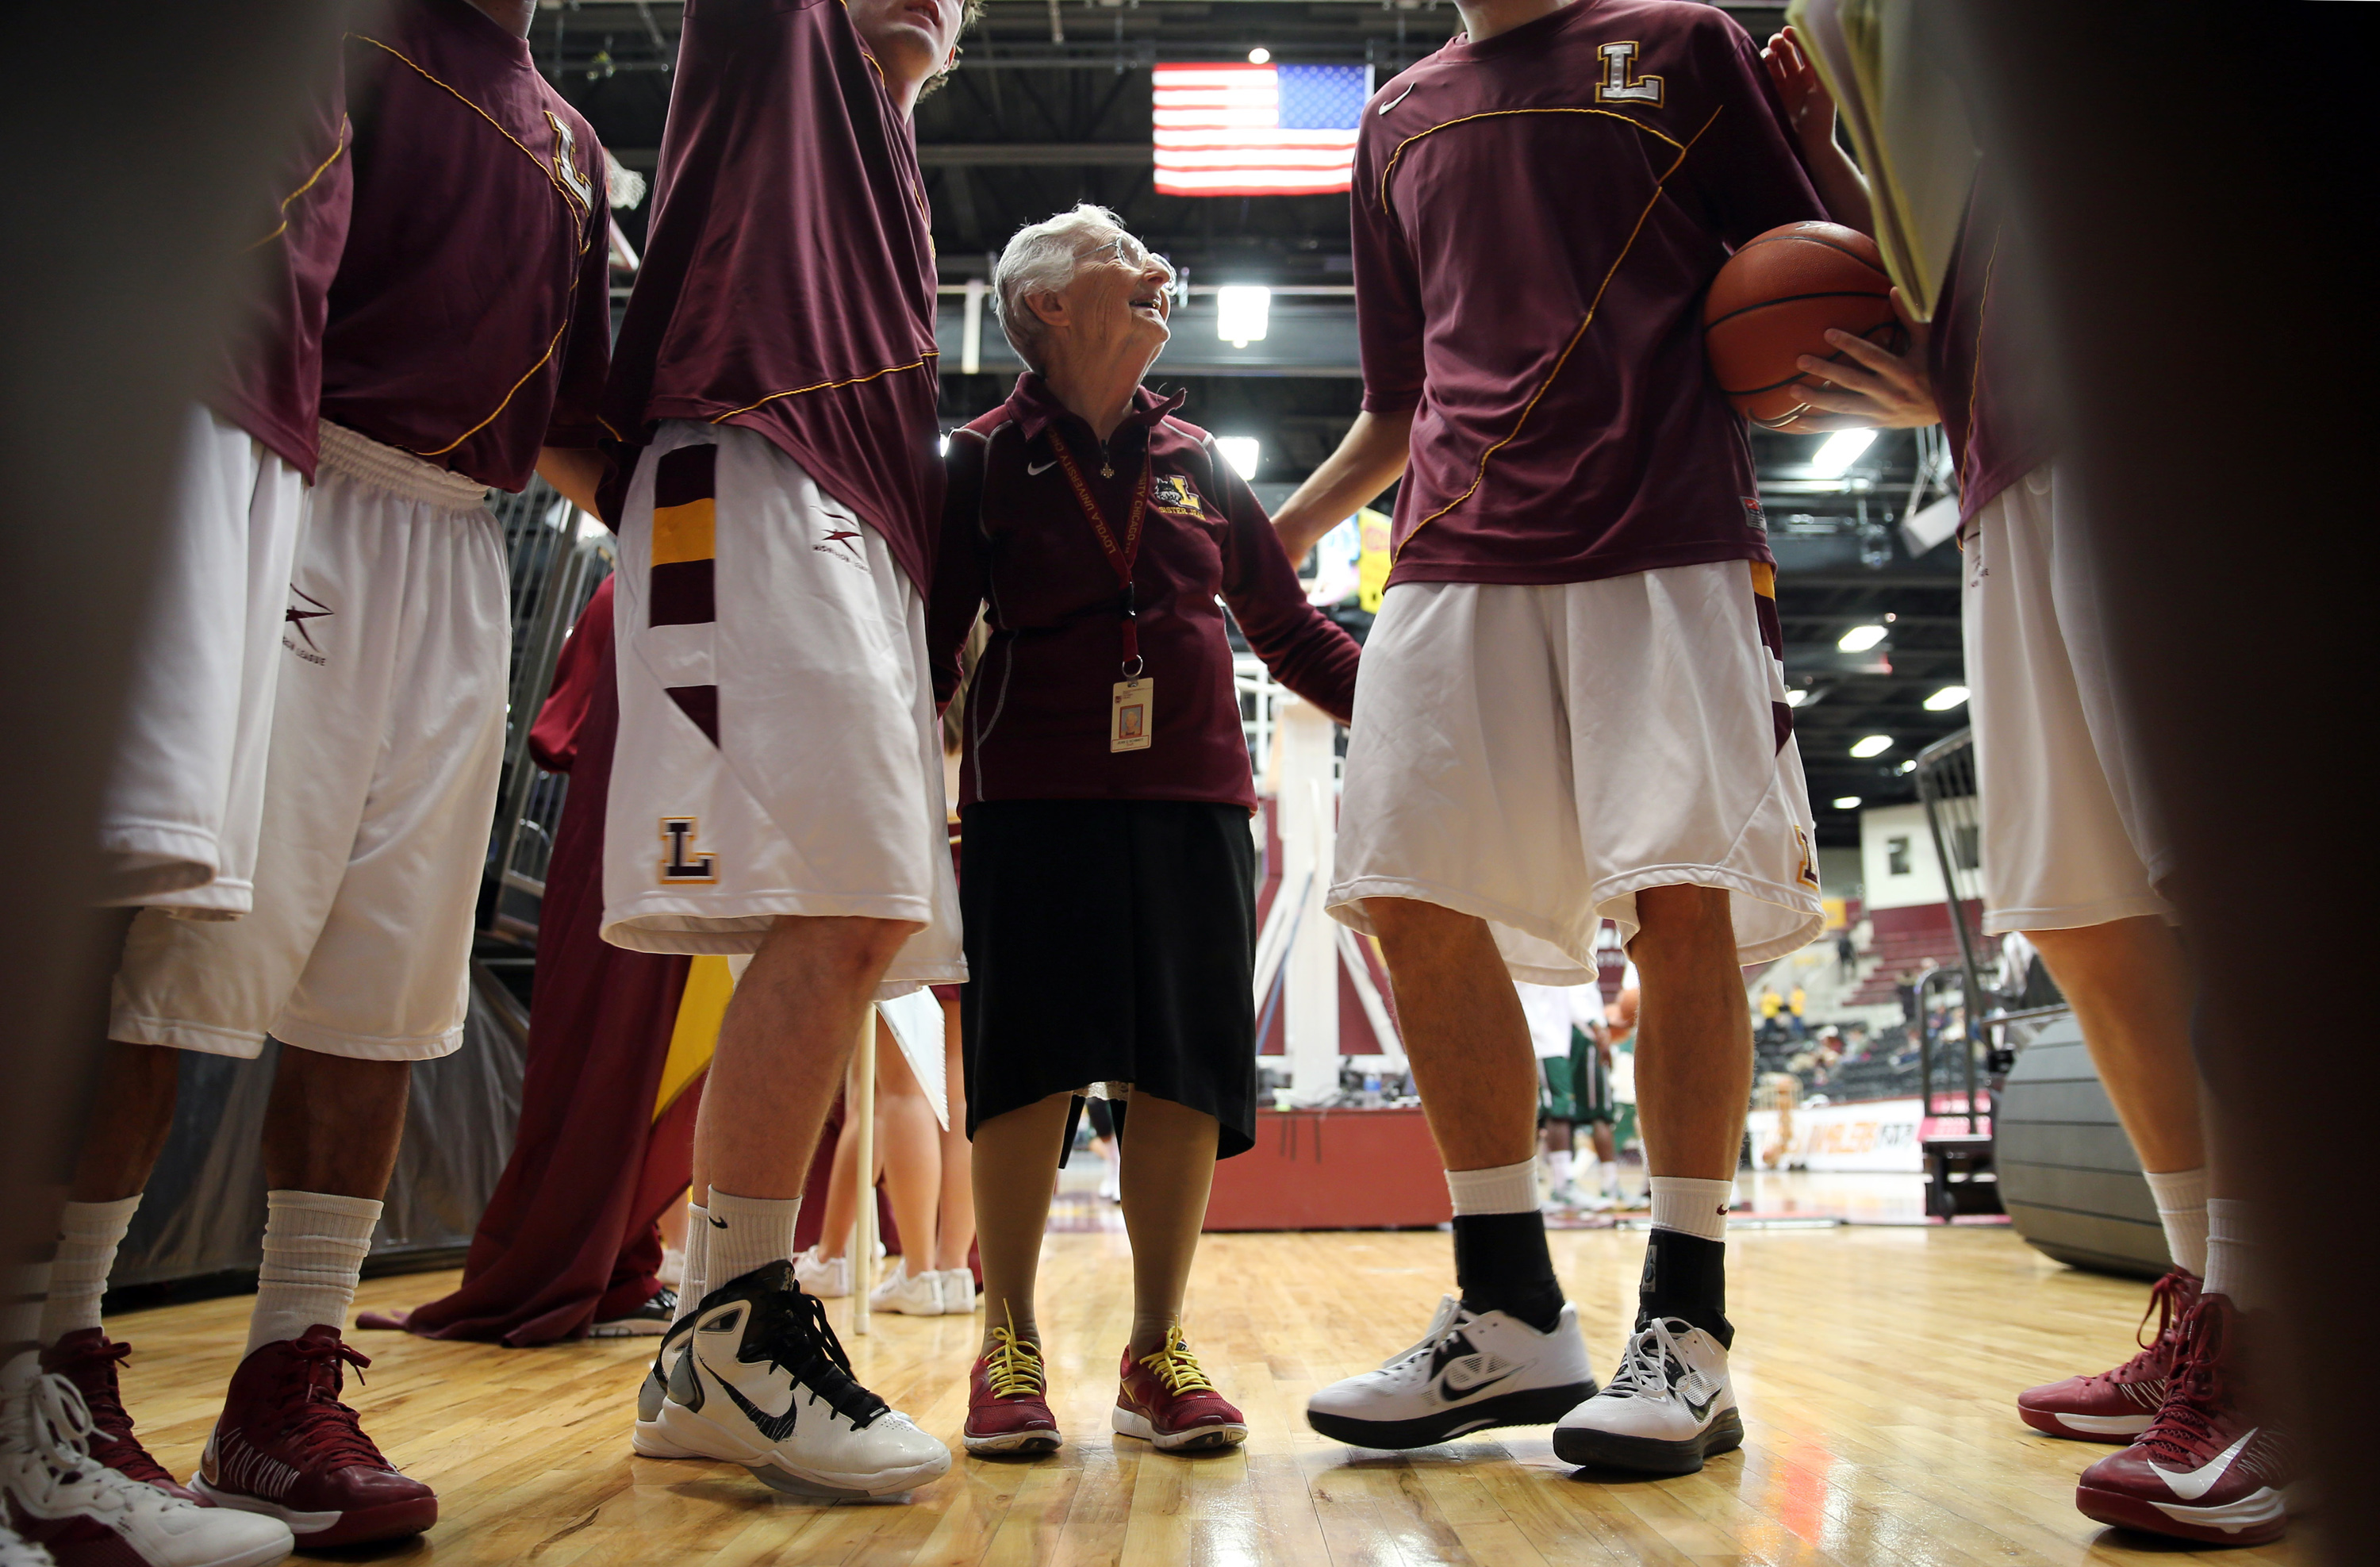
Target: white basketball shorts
{"type": "Point", "coordinates": [387, 737]}
{"type": "Point", "coordinates": [778, 752]}
{"type": "Point", "coordinates": [1536, 754]}
{"type": "Point", "coordinates": [178, 825]}
{"type": "Point", "coordinates": [2069, 839]}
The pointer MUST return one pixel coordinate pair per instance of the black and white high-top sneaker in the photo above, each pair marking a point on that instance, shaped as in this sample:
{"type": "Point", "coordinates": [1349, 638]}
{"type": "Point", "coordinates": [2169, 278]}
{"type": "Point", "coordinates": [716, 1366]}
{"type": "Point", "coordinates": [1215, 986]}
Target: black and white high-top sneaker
{"type": "Point", "coordinates": [761, 1380]}
{"type": "Point", "coordinates": [1470, 1371]}
{"type": "Point", "coordinates": [1668, 1407]}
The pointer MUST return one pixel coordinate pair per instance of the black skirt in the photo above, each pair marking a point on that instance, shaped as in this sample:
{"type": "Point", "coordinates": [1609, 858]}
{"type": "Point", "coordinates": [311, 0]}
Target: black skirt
{"type": "Point", "coordinates": [1111, 941]}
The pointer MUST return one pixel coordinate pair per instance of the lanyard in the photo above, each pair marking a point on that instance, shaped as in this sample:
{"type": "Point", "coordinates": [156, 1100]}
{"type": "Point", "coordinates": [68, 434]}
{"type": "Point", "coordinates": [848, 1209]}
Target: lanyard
{"type": "Point", "coordinates": [1119, 556]}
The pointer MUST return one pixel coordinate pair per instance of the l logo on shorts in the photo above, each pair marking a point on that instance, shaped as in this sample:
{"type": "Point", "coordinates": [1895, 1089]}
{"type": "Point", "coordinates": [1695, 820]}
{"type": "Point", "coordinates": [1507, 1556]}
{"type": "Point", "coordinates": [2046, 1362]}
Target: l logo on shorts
{"type": "Point", "coordinates": [684, 863]}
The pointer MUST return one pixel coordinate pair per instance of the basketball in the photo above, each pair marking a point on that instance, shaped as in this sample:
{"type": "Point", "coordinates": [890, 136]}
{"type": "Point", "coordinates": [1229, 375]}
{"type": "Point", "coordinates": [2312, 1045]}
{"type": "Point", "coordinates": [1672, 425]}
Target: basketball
{"type": "Point", "coordinates": [1774, 301]}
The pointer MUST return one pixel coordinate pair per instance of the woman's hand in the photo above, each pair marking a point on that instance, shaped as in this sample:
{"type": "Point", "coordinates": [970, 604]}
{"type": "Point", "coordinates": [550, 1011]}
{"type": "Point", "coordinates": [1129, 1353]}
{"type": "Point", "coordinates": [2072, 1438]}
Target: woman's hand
{"type": "Point", "coordinates": [1809, 107]}
{"type": "Point", "coordinates": [1883, 389]}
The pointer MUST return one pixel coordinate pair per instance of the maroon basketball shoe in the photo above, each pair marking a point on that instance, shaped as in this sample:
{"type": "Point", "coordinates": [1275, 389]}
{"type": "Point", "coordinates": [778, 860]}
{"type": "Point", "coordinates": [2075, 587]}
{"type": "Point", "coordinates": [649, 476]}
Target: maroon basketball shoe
{"type": "Point", "coordinates": [1006, 1410]}
{"type": "Point", "coordinates": [2116, 1406]}
{"type": "Point", "coordinates": [288, 1448]}
{"type": "Point", "coordinates": [1165, 1399]}
{"type": "Point", "coordinates": [88, 1358]}
{"type": "Point", "coordinates": [2207, 1470]}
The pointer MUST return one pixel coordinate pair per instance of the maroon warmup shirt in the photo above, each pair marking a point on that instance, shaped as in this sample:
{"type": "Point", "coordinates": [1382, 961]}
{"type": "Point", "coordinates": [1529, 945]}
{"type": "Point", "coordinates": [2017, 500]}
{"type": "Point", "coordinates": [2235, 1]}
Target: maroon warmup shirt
{"type": "Point", "coordinates": [271, 384]}
{"type": "Point", "coordinates": [1535, 219]}
{"type": "Point", "coordinates": [1985, 379]}
{"type": "Point", "coordinates": [470, 320]}
{"type": "Point", "coordinates": [788, 280]}
{"type": "Point", "coordinates": [1016, 541]}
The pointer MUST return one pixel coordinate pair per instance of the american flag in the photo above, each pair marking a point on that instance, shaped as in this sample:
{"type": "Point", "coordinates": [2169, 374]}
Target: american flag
{"type": "Point", "coordinates": [1257, 130]}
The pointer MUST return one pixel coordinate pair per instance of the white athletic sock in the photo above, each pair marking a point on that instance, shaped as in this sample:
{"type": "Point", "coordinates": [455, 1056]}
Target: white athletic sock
{"type": "Point", "coordinates": [1691, 1207]}
{"type": "Point", "coordinates": [1606, 1177]}
{"type": "Point", "coordinates": [88, 1234]}
{"type": "Point", "coordinates": [2182, 1209]}
{"type": "Point", "coordinates": [314, 1249]}
{"type": "Point", "coordinates": [22, 1287]}
{"type": "Point", "coordinates": [2230, 1269]}
{"type": "Point", "coordinates": [1507, 1188]}
{"type": "Point", "coordinates": [1557, 1166]}
{"type": "Point", "coordinates": [745, 1234]}
{"type": "Point", "coordinates": [698, 1261]}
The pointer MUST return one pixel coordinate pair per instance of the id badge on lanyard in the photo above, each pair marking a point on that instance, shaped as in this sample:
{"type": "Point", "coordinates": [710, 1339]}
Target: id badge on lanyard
{"type": "Point", "coordinates": [1132, 702]}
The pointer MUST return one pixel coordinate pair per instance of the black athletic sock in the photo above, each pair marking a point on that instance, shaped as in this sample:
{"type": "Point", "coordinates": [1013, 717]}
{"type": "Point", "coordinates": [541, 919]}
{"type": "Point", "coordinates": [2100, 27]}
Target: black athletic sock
{"type": "Point", "coordinates": [1501, 1264]}
{"type": "Point", "coordinates": [1685, 1277]}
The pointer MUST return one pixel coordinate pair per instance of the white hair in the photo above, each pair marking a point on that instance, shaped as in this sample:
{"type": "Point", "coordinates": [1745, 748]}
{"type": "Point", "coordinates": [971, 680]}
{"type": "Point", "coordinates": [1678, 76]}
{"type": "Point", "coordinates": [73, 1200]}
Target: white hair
{"type": "Point", "coordinates": [1043, 258]}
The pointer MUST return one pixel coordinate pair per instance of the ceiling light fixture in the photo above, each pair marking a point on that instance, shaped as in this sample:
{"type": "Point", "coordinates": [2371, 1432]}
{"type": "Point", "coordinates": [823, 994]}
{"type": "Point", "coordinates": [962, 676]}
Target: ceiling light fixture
{"type": "Point", "coordinates": [1847, 802]}
{"type": "Point", "coordinates": [1948, 697]}
{"type": "Point", "coordinates": [1240, 452]}
{"type": "Point", "coordinates": [1260, 55]}
{"type": "Point", "coordinates": [1908, 766]}
{"type": "Point", "coordinates": [1872, 746]}
{"type": "Point", "coordinates": [1838, 452]}
{"type": "Point", "coordinates": [1860, 638]}
{"type": "Point", "coordinates": [1242, 313]}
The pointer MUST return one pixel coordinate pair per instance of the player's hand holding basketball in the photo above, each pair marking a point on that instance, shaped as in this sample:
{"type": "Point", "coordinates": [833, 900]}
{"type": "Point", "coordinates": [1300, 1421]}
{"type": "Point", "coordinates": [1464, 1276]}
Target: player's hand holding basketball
{"type": "Point", "coordinates": [1884, 389]}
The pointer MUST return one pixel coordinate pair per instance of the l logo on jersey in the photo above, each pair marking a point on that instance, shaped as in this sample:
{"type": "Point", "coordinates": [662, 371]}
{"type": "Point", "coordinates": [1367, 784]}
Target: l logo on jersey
{"type": "Point", "coordinates": [565, 166]}
{"type": "Point", "coordinates": [684, 863]}
{"type": "Point", "coordinates": [1619, 66]}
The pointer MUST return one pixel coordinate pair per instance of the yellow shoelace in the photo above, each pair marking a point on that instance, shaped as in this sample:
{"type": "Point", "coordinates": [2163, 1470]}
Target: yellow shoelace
{"type": "Point", "coordinates": [1014, 1369]}
{"type": "Point", "coordinates": [1176, 1367]}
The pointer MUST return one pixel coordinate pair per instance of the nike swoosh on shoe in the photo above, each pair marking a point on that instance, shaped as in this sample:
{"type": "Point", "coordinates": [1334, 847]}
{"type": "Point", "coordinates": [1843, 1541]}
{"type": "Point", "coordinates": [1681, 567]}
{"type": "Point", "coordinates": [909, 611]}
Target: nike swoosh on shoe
{"type": "Point", "coordinates": [776, 1427]}
{"type": "Point", "coordinates": [2191, 1484]}
{"type": "Point", "coordinates": [1462, 1389]}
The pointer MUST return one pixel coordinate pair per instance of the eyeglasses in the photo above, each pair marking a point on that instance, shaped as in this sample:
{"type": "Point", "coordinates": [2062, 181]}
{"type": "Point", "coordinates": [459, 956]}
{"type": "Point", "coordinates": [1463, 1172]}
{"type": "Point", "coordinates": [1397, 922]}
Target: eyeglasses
{"type": "Point", "coordinates": [1131, 253]}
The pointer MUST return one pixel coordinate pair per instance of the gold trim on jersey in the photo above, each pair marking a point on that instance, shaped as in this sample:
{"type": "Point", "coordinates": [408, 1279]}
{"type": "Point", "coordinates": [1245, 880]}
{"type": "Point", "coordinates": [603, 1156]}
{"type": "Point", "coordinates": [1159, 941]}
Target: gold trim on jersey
{"type": "Point", "coordinates": [1564, 109]}
{"type": "Point", "coordinates": [1660, 187]}
{"type": "Point", "coordinates": [581, 212]}
{"type": "Point", "coordinates": [338, 152]}
{"type": "Point", "coordinates": [570, 299]}
{"type": "Point", "coordinates": [828, 385]}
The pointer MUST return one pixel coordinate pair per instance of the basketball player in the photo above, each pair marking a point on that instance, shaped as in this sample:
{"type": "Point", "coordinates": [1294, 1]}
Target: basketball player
{"type": "Point", "coordinates": [1571, 705]}
{"type": "Point", "coordinates": [2073, 856]}
{"type": "Point", "coordinates": [779, 790]}
{"type": "Point", "coordinates": [456, 354]}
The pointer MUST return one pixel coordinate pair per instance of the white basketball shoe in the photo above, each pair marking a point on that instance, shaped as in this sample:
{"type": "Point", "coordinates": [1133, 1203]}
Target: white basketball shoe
{"type": "Point", "coordinates": [913, 1295]}
{"type": "Point", "coordinates": [826, 1277]}
{"type": "Point", "coordinates": [762, 1381]}
{"type": "Point", "coordinates": [958, 1291]}
{"type": "Point", "coordinates": [1668, 1407]}
{"type": "Point", "coordinates": [1470, 1371]}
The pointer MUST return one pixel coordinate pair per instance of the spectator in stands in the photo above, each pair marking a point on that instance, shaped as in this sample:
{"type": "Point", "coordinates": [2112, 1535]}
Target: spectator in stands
{"type": "Point", "coordinates": [1846, 954]}
{"type": "Point", "coordinates": [1770, 1006]}
{"type": "Point", "coordinates": [1795, 1001]}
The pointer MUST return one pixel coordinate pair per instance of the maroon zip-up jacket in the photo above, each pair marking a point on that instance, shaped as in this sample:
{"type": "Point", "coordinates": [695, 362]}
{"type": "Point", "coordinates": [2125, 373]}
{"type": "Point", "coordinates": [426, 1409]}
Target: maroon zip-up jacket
{"type": "Point", "coordinates": [1016, 545]}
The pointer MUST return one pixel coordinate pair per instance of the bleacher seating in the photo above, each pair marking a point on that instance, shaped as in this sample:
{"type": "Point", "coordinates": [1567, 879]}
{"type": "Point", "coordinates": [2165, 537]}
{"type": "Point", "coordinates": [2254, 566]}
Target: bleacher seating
{"type": "Point", "coordinates": [1907, 940]}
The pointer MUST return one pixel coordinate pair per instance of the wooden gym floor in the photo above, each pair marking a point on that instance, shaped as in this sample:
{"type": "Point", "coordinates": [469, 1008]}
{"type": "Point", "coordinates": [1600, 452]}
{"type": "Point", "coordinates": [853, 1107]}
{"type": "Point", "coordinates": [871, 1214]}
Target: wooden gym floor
{"type": "Point", "coordinates": [1875, 1367]}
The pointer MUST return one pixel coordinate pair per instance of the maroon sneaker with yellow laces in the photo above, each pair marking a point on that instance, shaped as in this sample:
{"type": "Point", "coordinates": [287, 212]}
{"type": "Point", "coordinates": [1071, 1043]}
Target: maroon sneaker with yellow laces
{"type": "Point", "coordinates": [2208, 1469]}
{"type": "Point", "coordinates": [88, 1358]}
{"type": "Point", "coordinates": [288, 1448]}
{"type": "Point", "coordinates": [2118, 1405]}
{"type": "Point", "coordinates": [1007, 1411]}
{"type": "Point", "coordinates": [1165, 1399]}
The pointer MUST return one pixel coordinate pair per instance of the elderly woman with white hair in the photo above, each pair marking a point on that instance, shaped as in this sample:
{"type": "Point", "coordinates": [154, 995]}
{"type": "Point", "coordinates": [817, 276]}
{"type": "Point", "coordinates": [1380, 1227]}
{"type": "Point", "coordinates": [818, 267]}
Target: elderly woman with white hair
{"type": "Point", "coordinates": [1107, 872]}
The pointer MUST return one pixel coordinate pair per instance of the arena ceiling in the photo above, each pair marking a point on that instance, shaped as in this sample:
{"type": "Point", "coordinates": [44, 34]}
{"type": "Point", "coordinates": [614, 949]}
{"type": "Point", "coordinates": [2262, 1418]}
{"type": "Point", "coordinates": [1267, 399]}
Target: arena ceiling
{"type": "Point", "coordinates": [1052, 106]}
